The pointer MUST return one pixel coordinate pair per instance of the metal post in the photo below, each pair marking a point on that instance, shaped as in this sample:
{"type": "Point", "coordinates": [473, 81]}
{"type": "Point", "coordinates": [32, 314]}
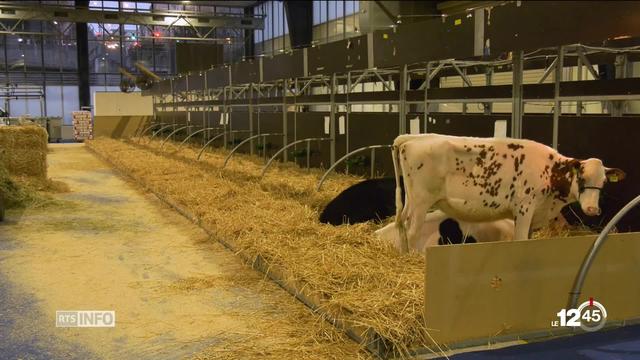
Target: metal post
{"type": "Point", "coordinates": [373, 162]}
{"type": "Point", "coordinates": [284, 117]}
{"type": "Point", "coordinates": [618, 106]}
{"type": "Point", "coordinates": [579, 103]}
{"type": "Point", "coordinates": [250, 109]}
{"type": "Point", "coordinates": [224, 114]}
{"type": "Point", "coordinates": [186, 80]}
{"type": "Point", "coordinates": [488, 75]}
{"type": "Point", "coordinates": [557, 104]}
{"type": "Point", "coordinates": [427, 80]}
{"type": "Point", "coordinates": [464, 84]}
{"type": "Point", "coordinates": [346, 124]}
{"type": "Point", "coordinates": [308, 155]}
{"type": "Point", "coordinates": [516, 111]}
{"type": "Point", "coordinates": [174, 101]}
{"type": "Point", "coordinates": [332, 120]}
{"type": "Point", "coordinates": [402, 121]}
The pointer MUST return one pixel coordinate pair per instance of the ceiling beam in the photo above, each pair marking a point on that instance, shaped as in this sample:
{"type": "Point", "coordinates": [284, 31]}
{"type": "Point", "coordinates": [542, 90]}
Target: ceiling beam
{"type": "Point", "coordinates": [155, 17]}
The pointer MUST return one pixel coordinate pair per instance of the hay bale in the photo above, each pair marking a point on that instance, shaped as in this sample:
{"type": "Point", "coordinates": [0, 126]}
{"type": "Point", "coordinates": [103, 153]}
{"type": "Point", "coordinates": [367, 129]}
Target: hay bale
{"type": "Point", "coordinates": [23, 150]}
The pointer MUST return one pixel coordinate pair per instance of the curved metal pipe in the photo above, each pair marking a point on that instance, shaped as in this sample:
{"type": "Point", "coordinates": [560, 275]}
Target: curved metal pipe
{"type": "Point", "coordinates": [173, 132]}
{"type": "Point", "coordinates": [244, 142]}
{"type": "Point", "coordinates": [586, 264]}
{"type": "Point", "coordinates": [326, 173]}
{"type": "Point", "coordinates": [266, 166]}
{"type": "Point", "coordinates": [147, 129]}
{"type": "Point", "coordinates": [160, 130]}
{"type": "Point", "coordinates": [194, 133]}
{"type": "Point", "coordinates": [214, 138]}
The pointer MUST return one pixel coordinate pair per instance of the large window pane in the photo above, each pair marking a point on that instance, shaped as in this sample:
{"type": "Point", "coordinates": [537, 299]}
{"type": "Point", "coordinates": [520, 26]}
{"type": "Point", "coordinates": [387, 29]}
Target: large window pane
{"type": "Point", "coordinates": [54, 101]}
{"type": "Point", "coordinates": [71, 102]}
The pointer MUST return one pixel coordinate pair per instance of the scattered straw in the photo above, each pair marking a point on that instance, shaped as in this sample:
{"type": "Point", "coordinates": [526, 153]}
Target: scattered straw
{"type": "Point", "coordinates": [277, 219]}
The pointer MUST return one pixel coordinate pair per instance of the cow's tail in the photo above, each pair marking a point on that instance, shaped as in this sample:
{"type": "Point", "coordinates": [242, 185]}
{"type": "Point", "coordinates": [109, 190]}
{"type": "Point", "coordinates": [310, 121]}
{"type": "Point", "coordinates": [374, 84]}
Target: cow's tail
{"type": "Point", "coordinates": [397, 168]}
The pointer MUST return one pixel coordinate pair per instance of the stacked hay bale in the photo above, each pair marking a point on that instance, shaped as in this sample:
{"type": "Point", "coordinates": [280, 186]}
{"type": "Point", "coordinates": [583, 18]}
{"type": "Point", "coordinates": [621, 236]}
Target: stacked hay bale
{"type": "Point", "coordinates": [23, 150]}
{"type": "Point", "coordinates": [23, 164]}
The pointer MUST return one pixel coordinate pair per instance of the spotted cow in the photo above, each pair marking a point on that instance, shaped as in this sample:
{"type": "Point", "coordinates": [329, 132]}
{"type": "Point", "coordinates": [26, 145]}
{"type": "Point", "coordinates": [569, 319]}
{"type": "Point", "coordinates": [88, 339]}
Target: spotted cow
{"type": "Point", "coordinates": [486, 179]}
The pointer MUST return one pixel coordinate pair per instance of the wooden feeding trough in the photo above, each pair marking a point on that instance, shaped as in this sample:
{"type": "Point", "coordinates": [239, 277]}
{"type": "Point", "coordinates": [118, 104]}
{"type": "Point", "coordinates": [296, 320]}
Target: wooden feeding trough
{"type": "Point", "coordinates": [477, 294]}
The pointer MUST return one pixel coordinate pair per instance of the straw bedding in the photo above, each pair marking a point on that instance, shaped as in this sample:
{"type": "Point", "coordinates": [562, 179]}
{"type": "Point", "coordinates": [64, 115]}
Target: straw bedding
{"type": "Point", "coordinates": [276, 220]}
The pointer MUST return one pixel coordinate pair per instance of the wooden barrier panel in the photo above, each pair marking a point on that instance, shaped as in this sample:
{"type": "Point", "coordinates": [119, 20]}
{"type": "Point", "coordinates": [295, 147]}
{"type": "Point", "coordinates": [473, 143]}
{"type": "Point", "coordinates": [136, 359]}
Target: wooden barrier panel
{"type": "Point", "coordinates": [478, 292]}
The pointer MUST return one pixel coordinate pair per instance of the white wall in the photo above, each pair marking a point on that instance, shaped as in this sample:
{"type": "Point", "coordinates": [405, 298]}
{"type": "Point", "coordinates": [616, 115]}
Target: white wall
{"type": "Point", "coordinates": [122, 104]}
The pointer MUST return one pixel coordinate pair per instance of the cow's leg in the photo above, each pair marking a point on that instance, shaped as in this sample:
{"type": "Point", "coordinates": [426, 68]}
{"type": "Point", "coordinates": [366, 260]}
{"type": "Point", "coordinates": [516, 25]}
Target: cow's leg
{"type": "Point", "coordinates": [522, 225]}
{"type": "Point", "coordinates": [416, 223]}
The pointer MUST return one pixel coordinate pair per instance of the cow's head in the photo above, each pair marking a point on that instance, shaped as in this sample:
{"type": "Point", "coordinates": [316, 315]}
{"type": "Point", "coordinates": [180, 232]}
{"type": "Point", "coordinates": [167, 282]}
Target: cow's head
{"type": "Point", "coordinates": [590, 177]}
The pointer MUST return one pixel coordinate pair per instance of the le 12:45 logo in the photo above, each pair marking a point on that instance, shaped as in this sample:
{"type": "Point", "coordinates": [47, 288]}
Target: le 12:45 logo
{"type": "Point", "coordinates": [589, 316]}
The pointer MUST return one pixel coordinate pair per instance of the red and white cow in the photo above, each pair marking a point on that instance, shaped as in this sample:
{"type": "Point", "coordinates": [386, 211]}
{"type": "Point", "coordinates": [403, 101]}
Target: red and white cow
{"type": "Point", "coordinates": [486, 179]}
{"type": "Point", "coordinates": [498, 230]}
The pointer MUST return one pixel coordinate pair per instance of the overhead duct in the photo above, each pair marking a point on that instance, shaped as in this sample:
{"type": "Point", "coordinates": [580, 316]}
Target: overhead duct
{"type": "Point", "coordinates": [300, 19]}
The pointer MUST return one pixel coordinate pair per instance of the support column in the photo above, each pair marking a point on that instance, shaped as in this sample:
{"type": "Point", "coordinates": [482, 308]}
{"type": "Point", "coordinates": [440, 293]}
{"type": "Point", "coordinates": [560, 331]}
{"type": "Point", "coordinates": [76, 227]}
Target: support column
{"type": "Point", "coordinates": [402, 121]}
{"type": "Point", "coordinates": [250, 109]}
{"type": "Point", "coordinates": [557, 104]}
{"type": "Point", "coordinates": [84, 93]}
{"type": "Point", "coordinates": [249, 36]}
{"type": "Point", "coordinates": [285, 90]}
{"type": "Point", "coordinates": [427, 83]}
{"type": "Point", "coordinates": [488, 75]}
{"type": "Point", "coordinates": [332, 120]}
{"type": "Point", "coordinates": [579, 103]}
{"type": "Point", "coordinates": [622, 71]}
{"type": "Point", "coordinates": [516, 109]}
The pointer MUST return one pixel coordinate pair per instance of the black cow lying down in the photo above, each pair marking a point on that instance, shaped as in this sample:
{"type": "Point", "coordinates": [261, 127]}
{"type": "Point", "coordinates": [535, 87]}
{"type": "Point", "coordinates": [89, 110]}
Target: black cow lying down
{"type": "Point", "coordinates": [369, 200]}
{"type": "Point", "coordinates": [374, 200]}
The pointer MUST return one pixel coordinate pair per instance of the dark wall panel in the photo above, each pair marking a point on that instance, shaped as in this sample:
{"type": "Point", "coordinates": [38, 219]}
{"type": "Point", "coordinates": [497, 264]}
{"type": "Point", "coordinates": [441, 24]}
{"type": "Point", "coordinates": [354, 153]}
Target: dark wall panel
{"type": "Point", "coordinates": [238, 120]}
{"type": "Point", "coordinates": [423, 41]}
{"type": "Point", "coordinates": [269, 122]}
{"type": "Point", "coordinates": [311, 125]}
{"type": "Point", "coordinates": [197, 57]}
{"type": "Point", "coordinates": [180, 83]}
{"type": "Point", "coordinates": [283, 66]}
{"type": "Point", "coordinates": [218, 77]}
{"type": "Point", "coordinates": [380, 129]}
{"type": "Point", "coordinates": [536, 24]}
{"type": "Point", "coordinates": [245, 72]}
{"type": "Point", "coordinates": [196, 81]}
{"type": "Point", "coordinates": [339, 56]}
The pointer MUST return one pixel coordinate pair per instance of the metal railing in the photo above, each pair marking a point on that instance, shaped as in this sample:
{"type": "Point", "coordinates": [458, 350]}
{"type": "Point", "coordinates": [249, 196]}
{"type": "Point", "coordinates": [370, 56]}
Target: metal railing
{"type": "Point", "coordinates": [172, 133]}
{"type": "Point", "coordinates": [308, 140]}
{"type": "Point", "coordinates": [160, 130]}
{"type": "Point", "coordinates": [586, 264]}
{"type": "Point", "coordinates": [204, 147]}
{"type": "Point", "coordinates": [348, 155]}
{"type": "Point", "coordinates": [147, 129]}
{"type": "Point", "coordinates": [264, 145]}
{"type": "Point", "coordinates": [194, 133]}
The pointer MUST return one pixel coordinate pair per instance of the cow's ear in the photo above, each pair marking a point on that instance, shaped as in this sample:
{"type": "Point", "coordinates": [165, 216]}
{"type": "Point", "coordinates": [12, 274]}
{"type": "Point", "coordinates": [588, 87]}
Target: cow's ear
{"type": "Point", "coordinates": [615, 174]}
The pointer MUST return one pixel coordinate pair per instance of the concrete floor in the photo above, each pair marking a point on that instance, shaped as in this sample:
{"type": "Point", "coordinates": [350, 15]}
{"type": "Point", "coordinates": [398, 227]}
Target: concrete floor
{"type": "Point", "coordinates": [110, 247]}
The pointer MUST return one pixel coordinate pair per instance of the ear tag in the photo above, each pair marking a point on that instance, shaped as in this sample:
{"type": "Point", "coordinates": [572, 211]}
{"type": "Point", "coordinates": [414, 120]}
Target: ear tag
{"type": "Point", "coordinates": [575, 171]}
{"type": "Point", "coordinates": [613, 178]}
